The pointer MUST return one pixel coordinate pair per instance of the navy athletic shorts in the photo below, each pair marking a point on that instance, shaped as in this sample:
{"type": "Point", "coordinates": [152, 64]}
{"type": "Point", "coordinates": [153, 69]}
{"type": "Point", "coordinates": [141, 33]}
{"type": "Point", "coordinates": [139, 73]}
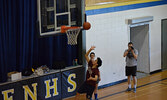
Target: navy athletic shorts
{"type": "Point", "coordinates": [131, 70]}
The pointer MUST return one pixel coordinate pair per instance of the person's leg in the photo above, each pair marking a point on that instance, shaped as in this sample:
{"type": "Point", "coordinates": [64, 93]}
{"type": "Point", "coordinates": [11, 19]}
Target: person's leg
{"type": "Point", "coordinates": [95, 91]}
{"type": "Point", "coordinates": [135, 83]}
{"type": "Point", "coordinates": [82, 89]}
{"type": "Point", "coordinates": [129, 83]}
{"type": "Point", "coordinates": [90, 91]}
{"type": "Point", "coordinates": [134, 78]}
{"type": "Point", "coordinates": [128, 74]}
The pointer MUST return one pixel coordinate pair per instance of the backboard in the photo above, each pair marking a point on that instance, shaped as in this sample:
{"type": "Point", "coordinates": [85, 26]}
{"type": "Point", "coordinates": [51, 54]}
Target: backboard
{"type": "Point", "coordinates": [52, 14]}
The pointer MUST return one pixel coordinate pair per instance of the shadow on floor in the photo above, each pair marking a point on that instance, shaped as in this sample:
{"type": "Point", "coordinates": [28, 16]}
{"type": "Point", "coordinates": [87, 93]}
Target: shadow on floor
{"type": "Point", "coordinates": [141, 74]}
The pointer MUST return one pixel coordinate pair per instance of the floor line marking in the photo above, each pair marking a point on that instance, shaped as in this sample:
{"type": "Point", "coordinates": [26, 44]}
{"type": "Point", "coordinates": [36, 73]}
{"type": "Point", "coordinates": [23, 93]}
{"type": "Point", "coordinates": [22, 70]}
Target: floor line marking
{"type": "Point", "coordinates": [137, 87]}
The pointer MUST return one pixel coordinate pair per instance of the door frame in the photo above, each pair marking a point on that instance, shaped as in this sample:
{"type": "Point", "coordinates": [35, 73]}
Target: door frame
{"type": "Point", "coordinates": [162, 45]}
{"type": "Point", "coordinates": [140, 24]}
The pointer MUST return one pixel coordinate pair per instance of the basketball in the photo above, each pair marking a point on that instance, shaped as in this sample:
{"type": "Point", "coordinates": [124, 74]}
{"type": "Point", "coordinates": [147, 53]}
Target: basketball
{"type": "Point", "coordinates": [86, 25]}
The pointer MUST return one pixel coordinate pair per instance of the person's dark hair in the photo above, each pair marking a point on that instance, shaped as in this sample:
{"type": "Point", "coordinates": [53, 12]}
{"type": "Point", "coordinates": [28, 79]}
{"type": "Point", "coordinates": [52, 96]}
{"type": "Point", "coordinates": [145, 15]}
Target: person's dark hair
{"type": "Point", "coordinates": [130, 43]}
{"type": "Point", "coordinates": [92, 53]}
{"type": "Point", "coordinates": [99, 62]}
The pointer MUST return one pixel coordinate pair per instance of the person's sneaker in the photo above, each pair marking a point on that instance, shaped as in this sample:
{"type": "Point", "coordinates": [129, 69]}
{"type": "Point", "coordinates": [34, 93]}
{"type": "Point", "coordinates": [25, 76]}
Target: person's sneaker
{"type": "Point", "coordinates": [128, 89]}
{"type": "Point", "coordinates": [134, 90]}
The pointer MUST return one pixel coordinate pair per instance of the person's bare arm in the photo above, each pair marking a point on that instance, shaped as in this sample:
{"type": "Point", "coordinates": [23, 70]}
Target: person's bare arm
{"type": "Point", "coordinates": [134, 55]}
{"type": "Point", "coordinates": [87, 53]}
{"type": "Point", "coordinates": [126, 53]}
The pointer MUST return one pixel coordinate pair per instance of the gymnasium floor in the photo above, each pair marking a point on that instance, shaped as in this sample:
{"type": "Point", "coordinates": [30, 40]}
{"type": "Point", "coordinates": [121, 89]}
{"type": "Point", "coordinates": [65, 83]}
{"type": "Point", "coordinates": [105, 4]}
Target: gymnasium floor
{"type": "Point", "coordinates": [151, 87]}
{"type": "Point", "coordinates": [98, 4]}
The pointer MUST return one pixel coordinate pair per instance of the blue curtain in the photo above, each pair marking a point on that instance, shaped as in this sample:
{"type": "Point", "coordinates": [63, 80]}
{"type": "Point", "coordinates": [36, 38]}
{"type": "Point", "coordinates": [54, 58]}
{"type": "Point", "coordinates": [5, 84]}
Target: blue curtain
{"type": "Point", "coordinates": [20, 46]}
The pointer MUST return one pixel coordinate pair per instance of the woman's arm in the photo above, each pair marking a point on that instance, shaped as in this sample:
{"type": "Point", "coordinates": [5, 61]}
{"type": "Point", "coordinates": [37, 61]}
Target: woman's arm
{"type": "Point", "coordinates": [87, 53]}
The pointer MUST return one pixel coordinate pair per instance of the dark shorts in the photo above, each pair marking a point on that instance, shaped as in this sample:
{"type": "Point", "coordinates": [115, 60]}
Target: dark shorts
{"type": "Point", "coordinates": [86, 88]}
{"type": "Point", "coordinates": [131, 70]}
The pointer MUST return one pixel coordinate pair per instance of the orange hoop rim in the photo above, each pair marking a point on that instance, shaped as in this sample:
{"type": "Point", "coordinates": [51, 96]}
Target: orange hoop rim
{"type": "Point", "coordinates": [64, 28]}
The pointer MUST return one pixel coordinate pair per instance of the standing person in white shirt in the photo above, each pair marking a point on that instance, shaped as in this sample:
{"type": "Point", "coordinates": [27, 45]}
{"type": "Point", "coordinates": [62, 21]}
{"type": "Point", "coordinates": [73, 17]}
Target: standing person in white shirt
{"type": "Point", "coordinates": [131, 55]}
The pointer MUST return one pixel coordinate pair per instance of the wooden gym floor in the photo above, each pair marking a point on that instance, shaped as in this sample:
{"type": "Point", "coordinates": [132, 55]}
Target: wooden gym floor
{"type": "Point", "coordinates": [151, 87]}
{"type": "Point", "coordinates": [97, 4]}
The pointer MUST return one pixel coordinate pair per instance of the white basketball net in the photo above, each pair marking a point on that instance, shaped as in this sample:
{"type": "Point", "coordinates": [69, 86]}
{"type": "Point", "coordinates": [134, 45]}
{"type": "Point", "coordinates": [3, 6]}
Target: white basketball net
{"type": "Point", "coordinates": [72, 35]}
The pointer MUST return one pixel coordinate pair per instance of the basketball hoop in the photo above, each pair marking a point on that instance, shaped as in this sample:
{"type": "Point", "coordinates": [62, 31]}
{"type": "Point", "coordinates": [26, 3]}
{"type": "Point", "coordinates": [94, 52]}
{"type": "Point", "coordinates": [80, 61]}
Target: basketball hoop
{"type": "Point", "coordinates": [73, 32]}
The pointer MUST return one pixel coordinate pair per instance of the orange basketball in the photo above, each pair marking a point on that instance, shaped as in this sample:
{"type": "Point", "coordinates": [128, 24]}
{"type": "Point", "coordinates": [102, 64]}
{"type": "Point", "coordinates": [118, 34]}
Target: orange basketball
{"type": "Point", "coordinates": [86, 25]}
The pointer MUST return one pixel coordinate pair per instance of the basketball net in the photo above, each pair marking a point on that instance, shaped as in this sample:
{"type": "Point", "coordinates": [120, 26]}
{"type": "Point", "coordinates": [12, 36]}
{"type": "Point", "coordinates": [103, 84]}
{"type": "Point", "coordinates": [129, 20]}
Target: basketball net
{"type": "Point", "coordinates": [72, 34]}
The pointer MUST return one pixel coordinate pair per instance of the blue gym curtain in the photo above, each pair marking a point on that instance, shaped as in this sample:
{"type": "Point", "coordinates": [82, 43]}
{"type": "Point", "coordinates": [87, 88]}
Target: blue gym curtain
{"type": "Point", "coordinates": [20, 46]}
